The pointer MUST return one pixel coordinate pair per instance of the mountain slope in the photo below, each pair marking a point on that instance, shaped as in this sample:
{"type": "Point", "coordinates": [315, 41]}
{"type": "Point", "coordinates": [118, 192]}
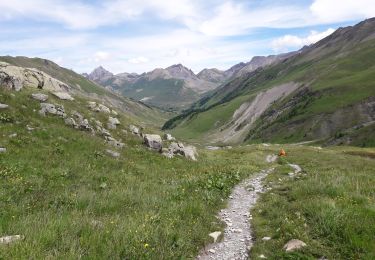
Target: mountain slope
{"type": "Point", "coordinates": [333, 100]}
{"type": "Point", "coordinates": [79, 85]}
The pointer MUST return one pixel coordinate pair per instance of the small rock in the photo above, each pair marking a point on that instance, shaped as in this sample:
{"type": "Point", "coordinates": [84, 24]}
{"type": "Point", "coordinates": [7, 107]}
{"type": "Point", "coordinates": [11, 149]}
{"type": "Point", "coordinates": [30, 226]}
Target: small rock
{"type": "Point", "coordinates": [293, 245]}
{"type": "Point", "coordinates": [134, 129]}
{"type": "Point", "coordinates": [115, 143]}
{"type": "Point", "coordinates": [215, 235]}
{"type": "Point", "coordinates": [212, 251]}
{"type": "Point", "coordinates": [29, 128]}
{"type": "Point", "coordinates": [10, 239]}
{"type": "Point", "coordinates": [262, 256]}
{"type": "Point", "coordinates": [191, 152]}
{"type": "Point", "coordinates": [266, 238]}
{"type": "Point", "coordinates": [3, 150]}
{"type": "Point", "coordinates": [103, 185]}
{"type": "Point", "coordinates": [237, 230]}
{"type": "Point", "coordinates": [113, 153]}
{"type": "Point", "coordinates": [63, 95]}
{"type": "Point", "coordinates": [2, 106]}
{"type": "Point", "coordinates": [12, 135]}
{"type": "Point", "coordinates": [40, 97]}
{"type": "Point", "coordinates": [169, 137]}
{"type": "Point", "coordinates": [114, 112]}
{"type": "Point", "coordinates": [104, 109]}
{"type": "Point", "coordinates": [70, 122]}
{"type": "Point", "coordinates": [112, 122]}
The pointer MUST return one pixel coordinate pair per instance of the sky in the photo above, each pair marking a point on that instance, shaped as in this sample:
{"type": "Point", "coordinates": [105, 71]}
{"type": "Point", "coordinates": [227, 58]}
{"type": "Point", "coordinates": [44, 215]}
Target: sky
{"type": "Point", "coordinates": [140, 35]}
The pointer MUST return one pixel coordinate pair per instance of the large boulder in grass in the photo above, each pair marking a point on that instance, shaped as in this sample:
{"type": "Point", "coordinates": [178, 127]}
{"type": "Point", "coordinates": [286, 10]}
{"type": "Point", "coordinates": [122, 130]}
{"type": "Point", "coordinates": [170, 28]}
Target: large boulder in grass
{"type": "Point", "coordinates": [154, 142]}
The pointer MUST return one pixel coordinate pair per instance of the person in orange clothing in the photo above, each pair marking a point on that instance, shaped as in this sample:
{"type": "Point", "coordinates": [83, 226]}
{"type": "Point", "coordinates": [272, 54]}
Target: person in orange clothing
{"type": "Point", "coordinates": [282, 152]}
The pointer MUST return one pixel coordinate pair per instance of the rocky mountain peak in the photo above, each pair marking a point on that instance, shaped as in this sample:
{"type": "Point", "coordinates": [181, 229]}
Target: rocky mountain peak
{"type": "Point", "coordinates": [180, 71]}
{"type": "Point", "coordinates": [100, 74]}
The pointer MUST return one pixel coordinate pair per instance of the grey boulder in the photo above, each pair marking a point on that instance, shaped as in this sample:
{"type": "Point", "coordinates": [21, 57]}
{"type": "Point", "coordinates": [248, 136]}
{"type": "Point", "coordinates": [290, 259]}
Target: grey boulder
{"type": "Point", "coordinates": [153, 142]}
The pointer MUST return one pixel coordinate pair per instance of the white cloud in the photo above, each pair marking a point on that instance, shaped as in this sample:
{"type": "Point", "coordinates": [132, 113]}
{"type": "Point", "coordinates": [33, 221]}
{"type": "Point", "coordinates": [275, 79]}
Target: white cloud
{"type": "Point", "coordinates": [287, 42]}
{"type": "Point", "coordinates": [138, 60]}
{"type": "Point", "coordinates": [331, 11]}
{"type": "Point", "coordinates": [100, 56]}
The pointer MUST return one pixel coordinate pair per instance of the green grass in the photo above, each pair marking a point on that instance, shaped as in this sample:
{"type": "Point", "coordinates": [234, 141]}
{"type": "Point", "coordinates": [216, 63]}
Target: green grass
{"type": "Point", "coordinates": [71, 200]}
{"type": "Point", "coordinates": [330, 207]}
{"type": "Point", "coordinates": [200, 124]}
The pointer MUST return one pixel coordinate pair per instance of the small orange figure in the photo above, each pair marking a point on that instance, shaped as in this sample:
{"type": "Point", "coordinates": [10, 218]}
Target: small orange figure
{"type": "Point", "coordinates": [282, 152]}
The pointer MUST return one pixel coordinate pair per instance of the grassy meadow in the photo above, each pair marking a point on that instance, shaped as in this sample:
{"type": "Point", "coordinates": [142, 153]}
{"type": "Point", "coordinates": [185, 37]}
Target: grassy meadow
{"type": "Point", "coordinates": [330, 206]}
{"type": "Point", "coordinates": [69, 199]}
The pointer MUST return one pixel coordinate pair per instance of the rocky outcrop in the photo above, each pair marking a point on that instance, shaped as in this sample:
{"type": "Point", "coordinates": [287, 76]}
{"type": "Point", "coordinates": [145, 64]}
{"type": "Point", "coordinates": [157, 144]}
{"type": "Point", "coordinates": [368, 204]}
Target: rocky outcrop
{"type": "Point", "coordinates": [153, 141]}
{"type": "Point", "coordinates": [47, 108]}
{"type": "Point", "coordinates": [15, 78]}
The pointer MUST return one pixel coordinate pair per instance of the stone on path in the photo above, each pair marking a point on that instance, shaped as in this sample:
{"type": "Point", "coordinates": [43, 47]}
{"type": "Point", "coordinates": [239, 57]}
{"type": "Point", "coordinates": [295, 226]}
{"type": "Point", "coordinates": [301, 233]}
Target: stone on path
{"type": "Point", "coordinates": [215, 235]}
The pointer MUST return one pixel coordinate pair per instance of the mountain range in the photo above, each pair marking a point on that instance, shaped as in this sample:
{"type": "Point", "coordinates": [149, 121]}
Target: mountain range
{"type": "Point", "coordinates": [176, 87]}
{"type": "Point", "coordinates": [323, 93]}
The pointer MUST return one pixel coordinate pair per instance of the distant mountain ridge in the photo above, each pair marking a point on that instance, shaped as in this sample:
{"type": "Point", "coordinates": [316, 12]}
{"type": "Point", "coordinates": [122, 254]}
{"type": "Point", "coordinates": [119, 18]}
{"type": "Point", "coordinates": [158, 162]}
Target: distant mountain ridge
{"type": "Point", "coordinates": [175, 87]}
{"type": "Point", "coordinates": [323, 92]}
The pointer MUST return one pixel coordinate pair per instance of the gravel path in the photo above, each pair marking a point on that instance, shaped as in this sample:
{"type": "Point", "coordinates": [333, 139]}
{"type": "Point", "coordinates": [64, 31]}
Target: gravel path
{"type": "Point", "coordinates": [237, 216]}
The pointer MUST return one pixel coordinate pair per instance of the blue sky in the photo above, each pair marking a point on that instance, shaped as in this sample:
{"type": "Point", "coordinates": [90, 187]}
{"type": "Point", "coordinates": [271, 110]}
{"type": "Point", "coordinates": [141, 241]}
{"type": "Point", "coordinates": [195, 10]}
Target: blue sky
{"type": "Point", "coordinates": [140, 35]}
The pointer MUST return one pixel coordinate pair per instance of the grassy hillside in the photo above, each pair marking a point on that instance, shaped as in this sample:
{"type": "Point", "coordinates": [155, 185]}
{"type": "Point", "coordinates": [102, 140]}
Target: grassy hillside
{"type": "Point", "coordinates": [330, 206]}
{"type": "Point", "coordinates": [168, 94]}
{"type": "Point", "coordinates": [87, 88]}
{"type": "Point", "coordinates": [335, 97]}
{"type": "Point", "coordinates": [70, 199]}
